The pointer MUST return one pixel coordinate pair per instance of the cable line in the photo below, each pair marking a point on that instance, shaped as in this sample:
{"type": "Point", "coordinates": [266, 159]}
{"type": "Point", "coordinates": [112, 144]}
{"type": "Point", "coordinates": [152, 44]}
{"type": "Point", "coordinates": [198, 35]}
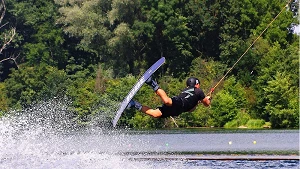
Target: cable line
{"type": "Point", "coordinates": [212, 89]}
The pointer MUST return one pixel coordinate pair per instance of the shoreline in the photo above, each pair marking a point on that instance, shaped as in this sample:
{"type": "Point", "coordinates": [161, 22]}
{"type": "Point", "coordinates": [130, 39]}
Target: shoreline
{"type": "Point", "coordinates": [217, 157]}
{"type": "Point", "coordinates": [216, 153]}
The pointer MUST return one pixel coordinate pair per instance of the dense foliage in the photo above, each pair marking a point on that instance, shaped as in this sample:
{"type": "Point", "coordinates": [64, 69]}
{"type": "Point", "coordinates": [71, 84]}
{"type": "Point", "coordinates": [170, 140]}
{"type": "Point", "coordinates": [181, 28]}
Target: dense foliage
{"type": "Point", "coordinates": [93, 51]}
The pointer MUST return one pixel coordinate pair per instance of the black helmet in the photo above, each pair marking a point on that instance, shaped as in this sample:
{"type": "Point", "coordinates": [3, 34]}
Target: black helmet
{"type": "Point", "coordinates": [192, 81]}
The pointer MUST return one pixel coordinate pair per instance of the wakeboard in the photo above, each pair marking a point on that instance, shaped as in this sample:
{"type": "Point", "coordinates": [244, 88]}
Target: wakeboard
{"type": "Point", "coordinates": [136, 88]}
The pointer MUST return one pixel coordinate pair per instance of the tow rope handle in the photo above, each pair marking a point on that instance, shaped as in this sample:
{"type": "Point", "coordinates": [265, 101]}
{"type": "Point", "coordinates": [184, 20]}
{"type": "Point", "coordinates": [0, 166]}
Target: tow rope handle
{"type": "Point", "coordinates": [210, 92]}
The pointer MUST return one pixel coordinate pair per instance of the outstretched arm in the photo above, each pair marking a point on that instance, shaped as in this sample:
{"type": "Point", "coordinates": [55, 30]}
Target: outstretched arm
{"type": "Point", "coordinates": [206, 101]}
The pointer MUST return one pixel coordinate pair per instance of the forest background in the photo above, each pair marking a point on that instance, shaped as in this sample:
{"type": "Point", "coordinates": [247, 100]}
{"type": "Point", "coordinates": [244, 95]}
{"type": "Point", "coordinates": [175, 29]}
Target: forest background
{"type": "Point", "coordinates": [89, 53]}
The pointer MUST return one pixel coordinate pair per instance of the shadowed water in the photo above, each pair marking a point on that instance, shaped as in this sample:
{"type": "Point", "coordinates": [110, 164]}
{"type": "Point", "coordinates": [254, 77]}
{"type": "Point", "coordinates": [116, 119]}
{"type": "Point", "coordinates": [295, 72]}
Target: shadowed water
{"type": "Point", "coordinates": [48, 136]}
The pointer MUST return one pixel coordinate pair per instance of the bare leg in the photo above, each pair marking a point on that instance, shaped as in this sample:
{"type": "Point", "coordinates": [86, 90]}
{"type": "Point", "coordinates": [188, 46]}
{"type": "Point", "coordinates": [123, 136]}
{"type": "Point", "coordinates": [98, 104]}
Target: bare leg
{"type": "Point", "coordinates": [154, 113]}
{"type": "Point", "coordinates": [164, 97]}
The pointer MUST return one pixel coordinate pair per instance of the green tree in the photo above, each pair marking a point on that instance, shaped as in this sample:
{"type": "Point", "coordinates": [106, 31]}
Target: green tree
{"type": "Point", "coordinates": [88, 22]}
{"type": "Point", "coordinates": [121, 46]}
{"type": "Point", "coordinates": [241, 23]}
{"type": "Point", "coordinates": [228, 102]}
{"type": "Point", "coordinates": [223, 108]}
{"type": "Point", "coordinates": [278, 32]}
{"type": "Point", "coordinates": [281, 97]}
{"type": "Point", "coordinates": [32, 84]}
{"type": "Point", "coordinates": [200, 117]}
{"type": "Point", "coordinates": [203, 27]}
{"type": "Point", "coordinates": [233, 28]}
{"type": "Point", "coordinates": [171, 35]}
{"type": "Point", "coordinates": [277, 60]}
{"type": "Point", "coordinates": [42, 40]}
{"type": "Point", "coordinates": [84, 97]}
{"type": "Point", "coordinates": [3, 99]}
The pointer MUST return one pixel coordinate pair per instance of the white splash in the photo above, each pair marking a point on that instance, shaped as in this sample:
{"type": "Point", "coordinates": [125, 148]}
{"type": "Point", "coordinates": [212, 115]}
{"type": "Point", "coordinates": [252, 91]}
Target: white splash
{"type": "Point", "coordinates": [46, 136]}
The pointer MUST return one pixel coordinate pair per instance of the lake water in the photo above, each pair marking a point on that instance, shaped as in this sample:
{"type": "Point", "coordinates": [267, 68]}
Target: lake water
{"type": "Point", "coordinates": [43, 138]}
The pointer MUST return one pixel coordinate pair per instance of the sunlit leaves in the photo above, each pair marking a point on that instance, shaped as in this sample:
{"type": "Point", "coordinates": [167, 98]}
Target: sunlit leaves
{"type": "Point", "coordinates": [228, 102]}
{"type": "Point", "coordinates": [277, 85]}
{"type": "Point", "coordinates": [124, 11]}
{"type": "Point", "coordinates": [279, 93]}
{"type": "Point", "coordinates": [87, 20]}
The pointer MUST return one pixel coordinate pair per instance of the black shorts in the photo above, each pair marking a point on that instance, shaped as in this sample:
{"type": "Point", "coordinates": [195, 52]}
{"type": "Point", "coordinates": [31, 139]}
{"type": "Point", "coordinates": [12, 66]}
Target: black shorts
{"type": "Point", "coordinates": [174, 110]}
